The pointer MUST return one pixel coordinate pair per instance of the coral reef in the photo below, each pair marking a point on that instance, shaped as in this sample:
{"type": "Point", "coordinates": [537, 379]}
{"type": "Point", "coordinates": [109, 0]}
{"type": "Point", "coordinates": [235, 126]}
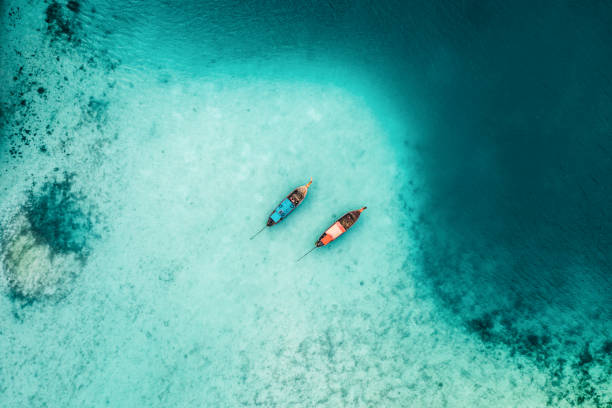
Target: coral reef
{"type": "Point", "coordinates": [46, 244]}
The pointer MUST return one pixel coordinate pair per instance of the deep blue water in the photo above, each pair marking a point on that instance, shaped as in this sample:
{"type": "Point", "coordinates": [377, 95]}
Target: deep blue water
{"type": "Point", "coordinates": [480, 133]}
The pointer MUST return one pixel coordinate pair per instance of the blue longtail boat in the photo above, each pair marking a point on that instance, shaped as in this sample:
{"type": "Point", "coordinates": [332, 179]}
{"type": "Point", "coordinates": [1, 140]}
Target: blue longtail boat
{"type": "Point", "coordinates": [286, 206]}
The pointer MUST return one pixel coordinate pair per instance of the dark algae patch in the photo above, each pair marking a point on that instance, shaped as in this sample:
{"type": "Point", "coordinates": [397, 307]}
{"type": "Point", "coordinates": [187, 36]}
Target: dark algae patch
{"type": "Point", "coordinates": [59, 23]}
{"type": "Point", "coordinates": [58, 218]}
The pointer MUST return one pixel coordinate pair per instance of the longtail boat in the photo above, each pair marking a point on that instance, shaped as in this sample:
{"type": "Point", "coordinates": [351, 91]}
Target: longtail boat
{"type": "Point", "coordinates": [286, 206]}
{"type": "Point", "coordinates": [337, 228]}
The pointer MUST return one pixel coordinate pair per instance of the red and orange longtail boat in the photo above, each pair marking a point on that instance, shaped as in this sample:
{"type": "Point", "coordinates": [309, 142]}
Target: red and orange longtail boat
{"type": "Point", "coordinates": [337, 228]}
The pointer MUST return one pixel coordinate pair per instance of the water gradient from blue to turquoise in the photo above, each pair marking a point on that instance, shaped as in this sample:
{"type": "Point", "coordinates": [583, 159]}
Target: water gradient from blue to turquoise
{"type": "Point", "coordinates": [478, 133]}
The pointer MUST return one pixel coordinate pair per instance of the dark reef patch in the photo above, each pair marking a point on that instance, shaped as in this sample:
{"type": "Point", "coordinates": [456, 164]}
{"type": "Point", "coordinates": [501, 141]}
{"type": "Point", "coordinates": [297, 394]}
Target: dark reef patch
{"type": "Point", "coordinates": [31, 101]}
{"type": "Point", "coordinates": [59, 24]}
{"type": "Point", "coordinates": [571, 346]}
{"type": "Point", "coordinates": [58, 217]}
{"type": "Point", "coordinates": [46, 244]}
{"type": "Point", "coordinates": [73, 6]}
{"type": "Point", "coordinates": [575, 378]}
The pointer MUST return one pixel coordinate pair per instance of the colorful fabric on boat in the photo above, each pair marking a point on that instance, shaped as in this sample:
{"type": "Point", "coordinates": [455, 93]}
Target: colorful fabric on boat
{"type": "Point", "coordinates": [335, 230]}
{"type": "Point", "coordinates": [332, 233]}
{"type": "Point", "coordinates": [283, 209]}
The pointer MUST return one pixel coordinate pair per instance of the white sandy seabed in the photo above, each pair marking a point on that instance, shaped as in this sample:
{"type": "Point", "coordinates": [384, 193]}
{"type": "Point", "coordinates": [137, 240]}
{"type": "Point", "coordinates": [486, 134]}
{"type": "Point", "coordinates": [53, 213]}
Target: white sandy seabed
{"type": "Point", "coordinates": [175, 306]}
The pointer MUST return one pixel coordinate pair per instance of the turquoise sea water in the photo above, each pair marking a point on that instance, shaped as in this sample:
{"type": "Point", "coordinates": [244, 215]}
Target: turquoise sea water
{"type": "Point", "coordinates": [143, 143]}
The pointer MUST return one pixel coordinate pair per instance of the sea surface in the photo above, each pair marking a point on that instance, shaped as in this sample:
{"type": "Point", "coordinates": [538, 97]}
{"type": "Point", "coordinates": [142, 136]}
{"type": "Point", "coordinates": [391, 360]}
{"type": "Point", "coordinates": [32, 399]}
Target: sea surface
{"type": "Point", "coordinates": [143, 142]}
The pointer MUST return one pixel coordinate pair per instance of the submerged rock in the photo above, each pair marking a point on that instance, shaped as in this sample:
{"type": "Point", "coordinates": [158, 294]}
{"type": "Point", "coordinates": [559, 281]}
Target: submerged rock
{"type": "Point", "coordinates": [46, 244]}
{"type": "Point", "coordinates": [31, 267]}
